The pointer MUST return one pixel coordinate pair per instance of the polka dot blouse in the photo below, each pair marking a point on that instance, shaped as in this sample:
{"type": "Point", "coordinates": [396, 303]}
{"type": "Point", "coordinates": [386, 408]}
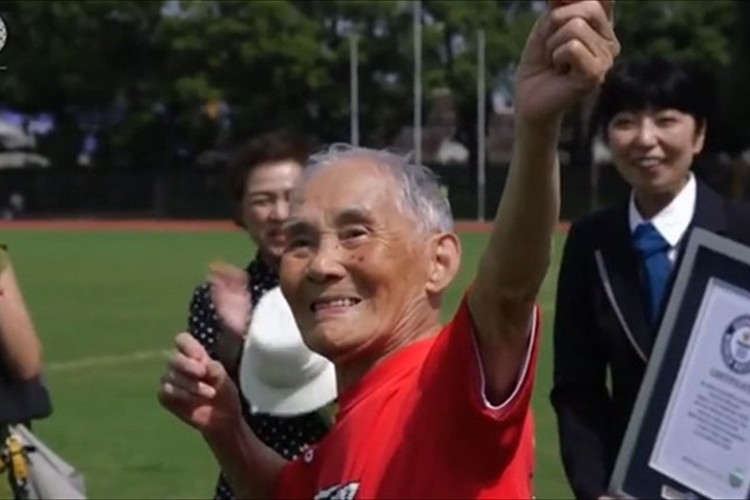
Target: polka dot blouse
{"type": "Point", "coordinates": [286, 435]}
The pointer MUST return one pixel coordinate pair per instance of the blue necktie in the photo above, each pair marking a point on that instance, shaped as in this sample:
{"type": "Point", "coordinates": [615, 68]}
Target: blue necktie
{"type": "Point", "coordinates": [653, 248]}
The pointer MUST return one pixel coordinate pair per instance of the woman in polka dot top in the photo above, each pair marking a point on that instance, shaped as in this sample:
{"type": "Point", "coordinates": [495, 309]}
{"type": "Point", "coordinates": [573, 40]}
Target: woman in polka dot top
{"type": "Point", "coordinates": [261, 177]}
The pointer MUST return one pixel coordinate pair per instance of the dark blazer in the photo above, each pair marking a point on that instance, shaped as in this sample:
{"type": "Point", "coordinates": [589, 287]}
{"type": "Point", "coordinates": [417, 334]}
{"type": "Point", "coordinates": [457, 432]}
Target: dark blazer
{"type": "Point", "coordinates": [601, 331]}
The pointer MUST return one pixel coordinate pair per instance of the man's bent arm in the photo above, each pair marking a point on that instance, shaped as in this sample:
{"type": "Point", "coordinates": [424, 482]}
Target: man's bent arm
{"type": "Point", "coordinates": [515, 262]}
{"type": "Point", "coordinates": [251, 467]}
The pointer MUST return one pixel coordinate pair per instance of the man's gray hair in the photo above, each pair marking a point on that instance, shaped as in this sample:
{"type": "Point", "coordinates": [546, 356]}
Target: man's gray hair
{"type": "Point", "coordinates": [421, 196]}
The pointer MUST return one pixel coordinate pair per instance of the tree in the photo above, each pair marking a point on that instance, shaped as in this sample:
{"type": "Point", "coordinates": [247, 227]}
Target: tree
{"type": "Point", "coordinates": [451, 51]}
{"type": "Point", "coordinates": [164, 68]}
{"type": "Point", "coordinates": [733, 135]}
{"type": "Point", "coordinates": [383, 33]}
{"type": "Point", "coordinates": [683, 29]}
{"type": "Point", "coordinates": [71, 58]}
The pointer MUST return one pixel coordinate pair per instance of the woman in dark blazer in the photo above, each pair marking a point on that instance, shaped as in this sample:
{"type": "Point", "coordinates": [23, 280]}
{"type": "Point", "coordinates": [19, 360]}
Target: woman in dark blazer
{"type": "Point", "coordinates": [618, 263]}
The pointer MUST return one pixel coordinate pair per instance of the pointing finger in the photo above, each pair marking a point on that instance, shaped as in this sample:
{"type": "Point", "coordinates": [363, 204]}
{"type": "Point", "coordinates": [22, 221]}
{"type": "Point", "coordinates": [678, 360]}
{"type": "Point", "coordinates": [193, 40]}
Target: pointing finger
{"type": "Point", "coordinates": [190, 347]}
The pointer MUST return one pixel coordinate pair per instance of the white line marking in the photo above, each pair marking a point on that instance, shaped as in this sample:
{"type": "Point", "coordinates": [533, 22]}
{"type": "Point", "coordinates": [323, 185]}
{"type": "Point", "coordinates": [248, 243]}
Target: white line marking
{"type": "Point", "coordinates": [123, 359]}
{"type": "Point", "coordinates": [99, 361]}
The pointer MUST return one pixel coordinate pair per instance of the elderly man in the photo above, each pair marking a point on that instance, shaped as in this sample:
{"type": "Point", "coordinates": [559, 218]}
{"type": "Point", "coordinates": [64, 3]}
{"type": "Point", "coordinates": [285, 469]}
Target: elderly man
{"type": "Point", "coordinates": [425, 410]}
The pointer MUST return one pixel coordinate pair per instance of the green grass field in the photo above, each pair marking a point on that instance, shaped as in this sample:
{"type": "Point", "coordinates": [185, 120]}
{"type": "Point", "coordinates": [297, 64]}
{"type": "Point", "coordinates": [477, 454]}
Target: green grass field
{"type": "Point", "coordinates": [108, 303]}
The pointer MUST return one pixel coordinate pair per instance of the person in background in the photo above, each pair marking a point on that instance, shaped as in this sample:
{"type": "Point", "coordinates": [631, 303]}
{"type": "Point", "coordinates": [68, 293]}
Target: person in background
{"type": "Point", "coordinates": [261, 176]}
{"type": "Point", "coordinates": [23, 395]}
{"type": "Point", "coordinates": [618, 263]}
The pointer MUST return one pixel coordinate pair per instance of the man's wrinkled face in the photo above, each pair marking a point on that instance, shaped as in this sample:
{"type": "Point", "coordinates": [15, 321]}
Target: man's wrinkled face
{"type": "Point", "coordinates": [353, 267]}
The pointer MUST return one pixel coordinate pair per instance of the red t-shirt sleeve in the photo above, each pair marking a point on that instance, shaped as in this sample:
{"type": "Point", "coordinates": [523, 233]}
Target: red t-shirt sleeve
{"type": "Point", "coordinates": [454, 364]}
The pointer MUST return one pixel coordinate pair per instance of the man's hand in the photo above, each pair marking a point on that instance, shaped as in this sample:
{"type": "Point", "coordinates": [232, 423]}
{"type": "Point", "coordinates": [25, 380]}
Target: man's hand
{"type": "Point", "coordinates": [197, 389]}
{"type": "Point", "coordinates": [567, 55]}
{"type": "Point", "coordinates": [229, 293]}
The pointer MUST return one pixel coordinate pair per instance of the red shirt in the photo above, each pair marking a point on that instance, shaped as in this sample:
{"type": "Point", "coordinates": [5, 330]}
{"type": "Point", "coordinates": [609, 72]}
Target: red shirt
{"type": "Point", "coordinates": [418, 426]}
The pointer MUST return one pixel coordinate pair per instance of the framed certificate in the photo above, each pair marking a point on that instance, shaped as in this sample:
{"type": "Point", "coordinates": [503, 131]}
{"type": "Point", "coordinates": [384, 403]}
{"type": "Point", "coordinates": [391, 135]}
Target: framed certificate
{"type": "Point", "coordinates": [689, 434]}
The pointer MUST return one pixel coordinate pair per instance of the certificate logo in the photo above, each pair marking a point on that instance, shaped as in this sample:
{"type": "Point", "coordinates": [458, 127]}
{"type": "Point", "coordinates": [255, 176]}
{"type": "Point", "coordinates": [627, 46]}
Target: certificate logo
{"type": "Point", "coordinates": [735, 345]}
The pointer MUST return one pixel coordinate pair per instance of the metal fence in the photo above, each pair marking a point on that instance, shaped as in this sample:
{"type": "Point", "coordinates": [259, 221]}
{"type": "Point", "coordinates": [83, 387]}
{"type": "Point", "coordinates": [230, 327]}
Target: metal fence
{"type": "Point", "coordinates": [196, 194]}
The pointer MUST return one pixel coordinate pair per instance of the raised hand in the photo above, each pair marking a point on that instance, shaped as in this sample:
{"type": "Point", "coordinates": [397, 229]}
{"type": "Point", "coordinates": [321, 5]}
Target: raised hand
{"type": "Point", "coordinates": [567, 55]}
{"type": "Point", "coordinates": [197, 389]}
{"type": "Point", "coordinates": [229, 293]}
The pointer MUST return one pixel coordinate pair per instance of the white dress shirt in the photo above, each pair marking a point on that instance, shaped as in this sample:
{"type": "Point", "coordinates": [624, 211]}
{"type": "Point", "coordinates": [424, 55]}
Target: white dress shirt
{"type": "Point", "coordinates": [672, 221]}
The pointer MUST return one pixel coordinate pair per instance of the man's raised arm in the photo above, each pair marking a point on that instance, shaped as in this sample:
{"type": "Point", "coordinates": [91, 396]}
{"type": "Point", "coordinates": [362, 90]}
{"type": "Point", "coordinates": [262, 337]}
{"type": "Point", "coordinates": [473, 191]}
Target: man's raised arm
{"type": "Point", "coordinates": [567, 55]}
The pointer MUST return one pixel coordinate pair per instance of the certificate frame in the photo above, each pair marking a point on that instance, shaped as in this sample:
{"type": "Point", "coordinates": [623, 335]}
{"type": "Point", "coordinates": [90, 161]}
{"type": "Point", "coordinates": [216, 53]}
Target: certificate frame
{"type": "Point", "coordinates": [708, 259]}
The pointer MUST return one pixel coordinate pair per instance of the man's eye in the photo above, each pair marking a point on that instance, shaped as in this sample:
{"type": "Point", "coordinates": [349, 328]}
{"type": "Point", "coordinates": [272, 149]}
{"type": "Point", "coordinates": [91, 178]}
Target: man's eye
{"type": "Point", "coordinates": [352, 233]}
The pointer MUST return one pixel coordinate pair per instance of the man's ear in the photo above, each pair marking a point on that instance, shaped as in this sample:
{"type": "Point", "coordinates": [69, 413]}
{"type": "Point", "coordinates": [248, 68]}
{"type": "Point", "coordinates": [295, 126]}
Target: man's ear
{"type": "Point", "coordinates": [445, 259]}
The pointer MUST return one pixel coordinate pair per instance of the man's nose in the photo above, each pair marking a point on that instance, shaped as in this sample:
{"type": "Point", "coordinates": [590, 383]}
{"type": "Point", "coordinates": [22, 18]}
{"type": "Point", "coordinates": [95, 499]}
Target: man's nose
{"type": "Point", "coordinates": [325, 264]}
